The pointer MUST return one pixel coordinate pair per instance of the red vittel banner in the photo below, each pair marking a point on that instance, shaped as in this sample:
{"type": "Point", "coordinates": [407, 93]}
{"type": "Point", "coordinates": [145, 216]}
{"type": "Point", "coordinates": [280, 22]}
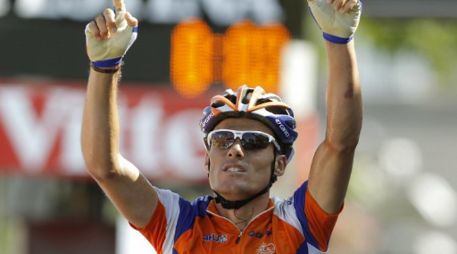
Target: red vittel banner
{"type": "Point", "coordinates": [40, 127]}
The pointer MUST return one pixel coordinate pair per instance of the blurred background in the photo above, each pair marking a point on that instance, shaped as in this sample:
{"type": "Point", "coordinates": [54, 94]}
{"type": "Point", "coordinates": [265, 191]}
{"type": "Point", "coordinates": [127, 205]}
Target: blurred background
{"type": "Point", "coordinates": [402, 196]}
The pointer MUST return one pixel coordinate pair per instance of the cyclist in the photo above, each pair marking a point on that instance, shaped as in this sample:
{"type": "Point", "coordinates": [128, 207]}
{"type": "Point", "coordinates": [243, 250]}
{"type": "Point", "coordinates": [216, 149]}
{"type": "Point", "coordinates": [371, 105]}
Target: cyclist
{"type": "Point", "coordinates": [248, 138]}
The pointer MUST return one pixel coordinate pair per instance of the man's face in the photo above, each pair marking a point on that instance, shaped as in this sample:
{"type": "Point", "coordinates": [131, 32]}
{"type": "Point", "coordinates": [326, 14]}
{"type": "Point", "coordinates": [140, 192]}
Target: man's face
{"type": "Point", "coordinates": [236, 173]}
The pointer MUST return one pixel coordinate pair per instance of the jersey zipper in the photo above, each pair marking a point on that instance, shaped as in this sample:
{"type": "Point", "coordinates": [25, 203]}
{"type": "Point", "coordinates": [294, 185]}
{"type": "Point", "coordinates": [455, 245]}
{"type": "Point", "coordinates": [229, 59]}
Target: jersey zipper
{"type": "Point", "coordinates": [238, 238]}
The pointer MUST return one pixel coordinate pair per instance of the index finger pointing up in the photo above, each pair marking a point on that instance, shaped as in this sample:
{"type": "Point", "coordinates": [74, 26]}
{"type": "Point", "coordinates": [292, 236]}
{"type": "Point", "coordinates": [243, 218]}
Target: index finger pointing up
{"type": "Point", "coordinates": [119, 4]}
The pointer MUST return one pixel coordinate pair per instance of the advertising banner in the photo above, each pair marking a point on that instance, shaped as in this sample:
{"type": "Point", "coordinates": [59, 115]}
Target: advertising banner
{"type": "Point", "coordinates": [40, 127]}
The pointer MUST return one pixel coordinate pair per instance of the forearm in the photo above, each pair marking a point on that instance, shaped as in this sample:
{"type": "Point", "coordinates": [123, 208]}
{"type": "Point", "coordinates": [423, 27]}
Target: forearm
{"type": "Point", "coordinates": [100, 128]}
{"type": "Point", "coordinates": [344, 106]}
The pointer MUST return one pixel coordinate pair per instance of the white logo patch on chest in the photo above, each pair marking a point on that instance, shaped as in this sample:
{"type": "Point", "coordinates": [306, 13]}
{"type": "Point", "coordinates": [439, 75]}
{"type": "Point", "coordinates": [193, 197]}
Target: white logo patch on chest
{"type": "Point", "coordinates": [266, 248]}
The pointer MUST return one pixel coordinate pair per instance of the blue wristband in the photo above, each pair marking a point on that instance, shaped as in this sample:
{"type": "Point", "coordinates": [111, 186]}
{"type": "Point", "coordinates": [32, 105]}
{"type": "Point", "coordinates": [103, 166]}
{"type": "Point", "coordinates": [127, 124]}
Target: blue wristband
{"type": "Point", "coordinates": [108, 62]}
{"type": "Point", "coordinates": [336, 39]}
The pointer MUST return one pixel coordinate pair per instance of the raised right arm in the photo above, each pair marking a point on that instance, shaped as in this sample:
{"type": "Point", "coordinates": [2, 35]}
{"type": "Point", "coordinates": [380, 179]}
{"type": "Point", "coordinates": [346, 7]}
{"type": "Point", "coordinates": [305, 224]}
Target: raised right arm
{"type": "Point", "coordinates": [130, 191]}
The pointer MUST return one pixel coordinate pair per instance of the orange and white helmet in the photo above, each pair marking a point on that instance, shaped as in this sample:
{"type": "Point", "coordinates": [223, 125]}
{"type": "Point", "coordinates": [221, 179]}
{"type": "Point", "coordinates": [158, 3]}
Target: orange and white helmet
{"type": "Point", "coordinates": [256, 104]}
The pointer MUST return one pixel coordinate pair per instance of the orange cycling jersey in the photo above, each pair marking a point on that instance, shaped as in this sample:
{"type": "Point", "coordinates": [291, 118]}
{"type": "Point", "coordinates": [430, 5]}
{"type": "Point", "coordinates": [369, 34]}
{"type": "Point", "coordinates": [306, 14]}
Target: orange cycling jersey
{"type": "Point", "coordinates": [295, 225]}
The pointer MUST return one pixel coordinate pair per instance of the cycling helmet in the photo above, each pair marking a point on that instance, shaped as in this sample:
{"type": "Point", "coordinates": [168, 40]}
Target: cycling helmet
{"type": "Point", "coordinates": [253, 103]}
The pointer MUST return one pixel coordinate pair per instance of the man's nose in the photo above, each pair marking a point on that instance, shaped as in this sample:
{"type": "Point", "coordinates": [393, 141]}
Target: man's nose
{"type": "Point", "coordinates": [236, 151]}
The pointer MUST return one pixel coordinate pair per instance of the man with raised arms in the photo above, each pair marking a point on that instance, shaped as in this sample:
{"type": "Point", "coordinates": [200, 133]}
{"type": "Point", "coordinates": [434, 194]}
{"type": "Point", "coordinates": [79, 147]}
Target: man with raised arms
{"type": "Point", "coordinates": [248, 135]}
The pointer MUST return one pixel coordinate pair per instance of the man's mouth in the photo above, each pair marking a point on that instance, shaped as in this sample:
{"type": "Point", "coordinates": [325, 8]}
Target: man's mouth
{"type": "Point", "coordinates": [233, 169]}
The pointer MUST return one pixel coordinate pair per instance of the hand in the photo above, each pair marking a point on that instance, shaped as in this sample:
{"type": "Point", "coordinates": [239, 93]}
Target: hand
{"type": "Point", "coordinates": [338, 19]}
{"type": "Point", "coordinates": [110, 35]}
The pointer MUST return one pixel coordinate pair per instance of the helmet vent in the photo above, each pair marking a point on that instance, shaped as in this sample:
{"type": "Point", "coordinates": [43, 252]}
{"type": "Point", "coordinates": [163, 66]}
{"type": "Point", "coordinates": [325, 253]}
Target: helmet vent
{"type": "Point", "coordinates": [231, 97]}
{"type": "Point", "coordinates": [217, 104]}
{"type": "Point", "coordinates": [277, 110]}
{"type": "Point", "coordinates": [261, 101]}
{"type": "Point", "coordinates": [247, 97]}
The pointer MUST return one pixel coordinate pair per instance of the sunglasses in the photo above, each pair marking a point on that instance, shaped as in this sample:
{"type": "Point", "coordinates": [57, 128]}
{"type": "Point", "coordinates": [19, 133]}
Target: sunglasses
{"type": "Point", "coordinates": [250, 140]}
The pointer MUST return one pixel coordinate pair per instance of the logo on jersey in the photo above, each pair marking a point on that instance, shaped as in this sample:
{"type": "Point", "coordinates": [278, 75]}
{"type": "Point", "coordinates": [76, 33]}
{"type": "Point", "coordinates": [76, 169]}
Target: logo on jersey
{"type": "Point", "coordinates": [266, 248]}
{"type": "Point", "coordinates": [215, 238]}
{"type": "Point", "coordinates": [259, 234]}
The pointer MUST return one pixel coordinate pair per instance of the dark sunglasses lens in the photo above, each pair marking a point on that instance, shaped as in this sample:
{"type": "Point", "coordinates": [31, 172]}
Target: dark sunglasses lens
{"type": "Point", "coordinates": [222, 139]}
{"type": "Point", "coordinates": [254, 141]}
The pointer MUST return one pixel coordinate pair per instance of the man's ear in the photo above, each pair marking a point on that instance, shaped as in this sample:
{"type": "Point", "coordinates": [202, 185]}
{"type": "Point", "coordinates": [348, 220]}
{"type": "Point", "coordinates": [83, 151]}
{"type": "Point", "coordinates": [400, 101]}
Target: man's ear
{"type": "Point", "coordinates": [280, 165]}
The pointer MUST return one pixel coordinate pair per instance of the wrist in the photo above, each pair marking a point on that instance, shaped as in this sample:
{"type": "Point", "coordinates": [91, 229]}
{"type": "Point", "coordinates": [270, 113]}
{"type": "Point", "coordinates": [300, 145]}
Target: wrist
{"type": "Point", "coordinates": [107, 63]}
{"type": "Point", "coordinates": [337, 39]}
{"type": "Point", "coordinates": [337, 49]}
{"type": "Point", "coordinates": [106, 70]}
